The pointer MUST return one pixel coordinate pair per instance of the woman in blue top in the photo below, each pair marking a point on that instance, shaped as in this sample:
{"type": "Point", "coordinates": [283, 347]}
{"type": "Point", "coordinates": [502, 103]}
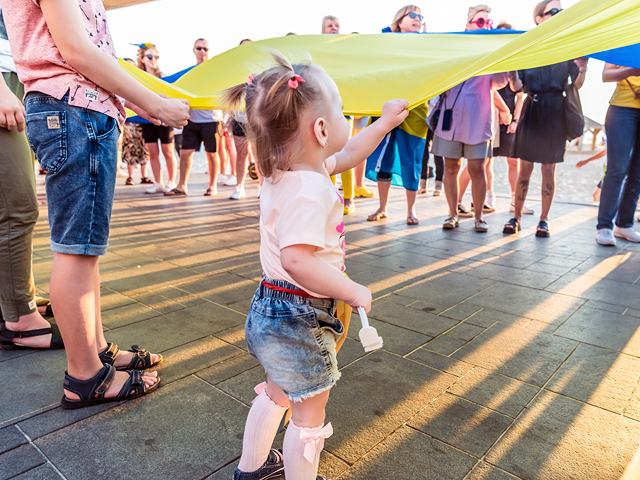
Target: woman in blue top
{"type": "Point", "coordinates": [399, 156]}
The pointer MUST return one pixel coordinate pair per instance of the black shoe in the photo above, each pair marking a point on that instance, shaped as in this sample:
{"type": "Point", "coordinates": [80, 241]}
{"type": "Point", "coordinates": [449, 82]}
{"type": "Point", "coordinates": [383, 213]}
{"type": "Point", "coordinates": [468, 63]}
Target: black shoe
{"type": "Point", "coordinates": [272, 469]}
{"type": "Point", "coordinates": [463, 212]}
{"type": "Point", "coordinates": [512, 226]}
{"type": "Point", "coordinates": [543, 230]}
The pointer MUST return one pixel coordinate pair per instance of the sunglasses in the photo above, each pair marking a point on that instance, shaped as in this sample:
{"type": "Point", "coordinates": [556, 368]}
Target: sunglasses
{"type": "Point", "coordinates": [413, 16]}
{"type": "Point", "coordinates": [151, 57]}
{"type": "Point", "coordinates": [482, 23]}
{"type": "Point", "coordinates": [553, 12]}
{"type": "Point", "coordinates": [206, 49]}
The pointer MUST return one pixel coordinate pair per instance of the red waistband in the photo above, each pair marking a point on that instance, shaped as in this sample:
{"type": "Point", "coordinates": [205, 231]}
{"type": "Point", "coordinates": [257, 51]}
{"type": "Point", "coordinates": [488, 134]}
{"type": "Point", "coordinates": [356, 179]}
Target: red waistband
{"type": "Point", "coordinates": [293, 291]}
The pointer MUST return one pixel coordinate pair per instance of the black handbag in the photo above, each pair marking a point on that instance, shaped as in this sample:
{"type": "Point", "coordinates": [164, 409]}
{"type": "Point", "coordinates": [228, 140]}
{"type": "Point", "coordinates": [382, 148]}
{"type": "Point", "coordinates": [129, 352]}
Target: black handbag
{"type": "Point", "coordinates": [574, 118]}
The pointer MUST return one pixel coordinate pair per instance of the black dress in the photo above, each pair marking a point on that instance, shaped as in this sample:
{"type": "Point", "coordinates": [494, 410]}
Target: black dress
{"type": "Point", "coordinates": [507, 140]}
{"type": "Point", "coordinates": [541, 136]}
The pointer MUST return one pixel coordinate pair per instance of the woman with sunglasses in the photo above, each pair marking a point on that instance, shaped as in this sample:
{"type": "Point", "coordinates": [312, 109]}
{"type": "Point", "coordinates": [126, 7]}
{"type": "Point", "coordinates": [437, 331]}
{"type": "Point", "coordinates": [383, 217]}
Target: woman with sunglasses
{"type": "Point", "coordinates": [148, 61]}
{"type": "Point", "coordinates": [465, 130]}
{"type": "Point", "coordinates": [385, 164]}
{"type": "Point", "coordinates": [541, 136]}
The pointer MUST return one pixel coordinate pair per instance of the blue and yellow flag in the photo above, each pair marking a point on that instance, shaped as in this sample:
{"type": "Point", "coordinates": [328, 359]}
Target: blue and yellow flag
{"type": "Point", "coordinates": [370, 69]}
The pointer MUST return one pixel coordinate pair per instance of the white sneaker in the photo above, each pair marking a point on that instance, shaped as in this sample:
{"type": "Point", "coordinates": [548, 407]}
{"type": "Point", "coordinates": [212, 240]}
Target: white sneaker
{"type": "Point", "coordinates": [222, 178]}
{"type": "Point", "coordinates": [121, 174]}
{"type": "Point", "coordinates": [491, 199]}
{"type": "Point", "coordinates": [238, 194]}
{"type": "Point", "coordinates": [525, 210]}
{"type": "Point", "coordinates": [169, 186]}
{"type": "Point", "coordinates": [155, 188]}
{"type": "Point", "coordinates": [605, 237]}
{"type": "Point", "coordinates": [627, 233]}
{"type": "Point", "coordinates": [232, 181]}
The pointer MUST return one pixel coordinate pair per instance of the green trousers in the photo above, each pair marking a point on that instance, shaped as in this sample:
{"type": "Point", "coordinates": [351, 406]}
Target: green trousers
{"type": "Point", "coordinates": [18, 216]}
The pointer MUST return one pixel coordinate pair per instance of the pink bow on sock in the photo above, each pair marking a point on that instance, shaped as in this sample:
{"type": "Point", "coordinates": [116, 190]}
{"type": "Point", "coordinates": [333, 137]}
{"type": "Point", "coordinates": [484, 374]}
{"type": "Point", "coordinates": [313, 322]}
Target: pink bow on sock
{"type": "Point", "coordinates": [315, 441]}
{"type": "Point", "coordinates": [259, 389]}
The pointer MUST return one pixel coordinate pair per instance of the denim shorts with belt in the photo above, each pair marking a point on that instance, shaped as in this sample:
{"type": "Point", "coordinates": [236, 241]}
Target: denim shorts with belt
{"type": "Point", "coordinates": [78, 148]}
{"type": "Point", "coordinates": [294, 338]}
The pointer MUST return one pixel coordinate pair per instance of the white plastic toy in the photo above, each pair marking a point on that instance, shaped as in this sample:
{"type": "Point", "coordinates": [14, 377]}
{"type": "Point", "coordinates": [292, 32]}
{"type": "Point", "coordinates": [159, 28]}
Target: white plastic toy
{"type": "Point", "coordinates": [368, 335]}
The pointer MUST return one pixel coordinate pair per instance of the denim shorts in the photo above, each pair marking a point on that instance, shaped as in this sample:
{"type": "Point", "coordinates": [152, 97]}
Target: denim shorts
{"type": "Point", "coordinates": [294, 338]}
{"type": "Point", "coordinates": [78, 148]}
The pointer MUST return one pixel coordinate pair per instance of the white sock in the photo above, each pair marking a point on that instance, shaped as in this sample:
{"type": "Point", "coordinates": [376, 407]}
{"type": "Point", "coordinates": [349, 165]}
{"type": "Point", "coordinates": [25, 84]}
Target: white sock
{"type": "Point", "coordinates": [262, 425]}
{"type": "Point", "coordinates": [301, 449]}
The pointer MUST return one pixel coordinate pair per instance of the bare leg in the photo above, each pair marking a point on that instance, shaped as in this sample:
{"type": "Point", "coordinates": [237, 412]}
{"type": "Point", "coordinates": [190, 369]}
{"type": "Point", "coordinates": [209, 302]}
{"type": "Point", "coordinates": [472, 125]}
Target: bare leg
{"type": "Point", "coordinates": [463, 182]}
{"type": "Point", "coordinates": [214, 167]}
{"type": "Point", "coordinates": [143, 170]}
{"type": "Point", "coordinates": [450, 181]}
{"type": "Point", "coordinates": [242, 153]}
{"type": "Point", "coordinates": [222, 153]}
{"type": "Point", "coordinates": [233, 155]}
{"type": "Point", "coordinates": [186, 157]}
{"type": "Point", "coordinates": [167, 151]}
{"type": "Point", "coordinates": [522, 187]}
{"type": "Point", "coordinates": [489, 173]}
{"type": "Point", "coordinates": [411, 206]}
{"type": "Point", "coordinates": [130, 170]}
{"type": "Point", "coordinates": [478, 184]}
{"type": "Point", "coordinates": [383, 192]}
{"type": "Point", "coordinates": [154, 159]}
{"type": "Point", "coordinates": [548, 189]}
{"type": "Point", "coordinates": [513, 174]}
{"type": "Point", "coordinates": [73, 294]}
{"type": "Point", "coordinates": [360, 171]}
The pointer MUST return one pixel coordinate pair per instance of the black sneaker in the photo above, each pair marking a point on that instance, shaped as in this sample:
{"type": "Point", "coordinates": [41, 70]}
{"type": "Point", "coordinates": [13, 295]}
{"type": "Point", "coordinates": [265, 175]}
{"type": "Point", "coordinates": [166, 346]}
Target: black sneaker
{"type": "Point", "coordinates": [463, 212]}
{"type": "Point", "coordinates": [272, 469]}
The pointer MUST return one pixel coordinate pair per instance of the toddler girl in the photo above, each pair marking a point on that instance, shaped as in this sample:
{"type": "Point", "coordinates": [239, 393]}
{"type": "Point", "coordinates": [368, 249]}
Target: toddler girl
{"type": "Point", "coordinates": [301, 137]}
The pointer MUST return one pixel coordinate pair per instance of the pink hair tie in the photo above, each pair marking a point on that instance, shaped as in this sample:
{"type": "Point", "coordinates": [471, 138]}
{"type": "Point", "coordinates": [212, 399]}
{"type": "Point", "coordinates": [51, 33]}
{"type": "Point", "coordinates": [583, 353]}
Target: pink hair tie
{"type": "Point", "coordinates": [295, 81]}
{"type": "Point", "coordinates": [251, 77]}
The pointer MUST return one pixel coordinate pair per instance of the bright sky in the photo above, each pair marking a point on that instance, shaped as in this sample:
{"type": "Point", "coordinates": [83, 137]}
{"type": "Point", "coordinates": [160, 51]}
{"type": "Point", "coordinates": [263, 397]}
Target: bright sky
{"type": "Point", "coordinates": [173, 25]}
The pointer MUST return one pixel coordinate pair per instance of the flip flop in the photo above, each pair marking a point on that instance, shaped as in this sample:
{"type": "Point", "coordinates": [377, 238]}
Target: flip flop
{"type": "Point", "coordinates": [175, 193]}
{"type": "Point", "coordinates": [374, 217]}
{"type": "Point", "coordinates": [412, 221]}
{"type": "Point", "coordinates": [209, 192]}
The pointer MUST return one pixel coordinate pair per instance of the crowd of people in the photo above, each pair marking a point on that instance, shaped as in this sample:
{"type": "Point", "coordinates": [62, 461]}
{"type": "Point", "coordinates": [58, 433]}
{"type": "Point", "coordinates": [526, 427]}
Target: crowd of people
{"type": "Point", "coordinates": [288, 120]}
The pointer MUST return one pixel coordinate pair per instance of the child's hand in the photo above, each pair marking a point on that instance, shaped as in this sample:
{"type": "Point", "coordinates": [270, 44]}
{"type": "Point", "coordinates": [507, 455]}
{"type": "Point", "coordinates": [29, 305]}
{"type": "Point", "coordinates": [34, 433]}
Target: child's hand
{"type": "Point", "coordinates": [361, 298]}
{"type": "Point", "coordinates": [174, 112]}
{"type": "Point", "coordinates": [581, 164]}
{"type": "Point", "coordinates": [394, 112]}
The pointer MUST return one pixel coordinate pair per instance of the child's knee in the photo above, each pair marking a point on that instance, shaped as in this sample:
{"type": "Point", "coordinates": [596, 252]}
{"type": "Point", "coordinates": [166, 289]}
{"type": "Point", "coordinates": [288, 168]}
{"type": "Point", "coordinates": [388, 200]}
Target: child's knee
{"type": "Point", "coordinates": [277, 396]}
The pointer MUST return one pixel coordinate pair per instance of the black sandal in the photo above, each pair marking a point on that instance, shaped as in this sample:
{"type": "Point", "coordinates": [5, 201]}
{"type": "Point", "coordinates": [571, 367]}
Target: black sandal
{"type": "Point", "coordinates": [146, 181]}
{"type": "Point", "coordinates": [543, 229]}
{"type": "Point", "coordinates": [91, 392]}
{"type": "Point", "coordinates": [129, 181]}
{"type": "Point", "coordinates": [141, 358]}
{"type": "Point", "coordinates": [511, 227]}
{"type": "Point", "coordinates": [45, 302]}
{"type": "Point", "coordinates": [7, 336]}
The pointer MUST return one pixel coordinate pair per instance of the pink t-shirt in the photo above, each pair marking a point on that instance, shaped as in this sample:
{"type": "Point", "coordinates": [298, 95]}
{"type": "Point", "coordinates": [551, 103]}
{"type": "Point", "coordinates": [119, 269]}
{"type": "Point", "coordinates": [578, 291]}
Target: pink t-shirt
{"type": "Point", "coordinates": [301, 208]}
{"type": "Point", "coordinates": [40, 65]}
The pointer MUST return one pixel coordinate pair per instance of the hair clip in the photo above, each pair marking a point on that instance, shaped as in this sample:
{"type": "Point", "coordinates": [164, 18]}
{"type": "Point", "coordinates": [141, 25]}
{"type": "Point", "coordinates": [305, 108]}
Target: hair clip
{"type": "Point", "coordinates": [295, 81]}
{"type": "Point", "coordinates": [251, 78]}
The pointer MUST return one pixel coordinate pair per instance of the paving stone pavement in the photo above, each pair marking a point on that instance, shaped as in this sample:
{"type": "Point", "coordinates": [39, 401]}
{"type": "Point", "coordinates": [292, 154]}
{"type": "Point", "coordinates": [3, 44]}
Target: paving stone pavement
{"type": "Point", "coordinates": [504, 357]}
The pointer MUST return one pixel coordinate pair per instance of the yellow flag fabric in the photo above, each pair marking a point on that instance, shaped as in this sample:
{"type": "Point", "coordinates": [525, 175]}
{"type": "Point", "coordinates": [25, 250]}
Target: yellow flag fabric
{"type": "Point", "coordinates": [371, 69]}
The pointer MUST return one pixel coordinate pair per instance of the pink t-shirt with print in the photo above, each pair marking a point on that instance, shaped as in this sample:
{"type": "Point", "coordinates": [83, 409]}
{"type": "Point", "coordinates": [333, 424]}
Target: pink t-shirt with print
{"type": "Point", "coordinates": [301, 208]}
{"type": "Point", "coordinates": [41, 67]}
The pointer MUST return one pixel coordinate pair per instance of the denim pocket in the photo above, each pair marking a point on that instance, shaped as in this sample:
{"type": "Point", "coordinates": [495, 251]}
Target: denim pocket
{"type": "Point", "coordinates": [47, 134]}
{"type": "Point", "coordinates": [104, 126]}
